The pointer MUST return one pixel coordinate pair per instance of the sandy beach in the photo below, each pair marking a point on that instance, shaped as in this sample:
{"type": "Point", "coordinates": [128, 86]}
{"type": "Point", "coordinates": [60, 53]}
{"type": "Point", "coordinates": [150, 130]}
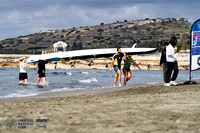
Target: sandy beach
{"type": "Point", "coordinates": [142, 108]}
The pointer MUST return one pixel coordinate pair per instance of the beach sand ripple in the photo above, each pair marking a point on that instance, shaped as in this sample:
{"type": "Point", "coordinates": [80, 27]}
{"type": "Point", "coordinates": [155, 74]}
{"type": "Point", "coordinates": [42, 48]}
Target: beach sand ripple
{"type": "Point", "coordinates": [144, 108]}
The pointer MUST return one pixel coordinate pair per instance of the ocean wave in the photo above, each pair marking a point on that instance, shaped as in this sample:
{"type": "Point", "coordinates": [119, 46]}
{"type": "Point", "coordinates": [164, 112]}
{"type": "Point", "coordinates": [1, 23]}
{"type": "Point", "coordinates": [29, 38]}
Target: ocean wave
{"type": "Point", "coordinates": [61, 73]}
{"type": "Point", "coordinates": [61, 89]}
{"type": "Point", "coordinates": [50, 69]}
{"type": "Point", "coordinates": [19, 94]}
{"type": "Point", "coordinates": [2, 68]}
{"type": "Point", "coordinates": [26, 93]}
{"type": "Point", "coordinates": [65, 89]}
{"type": "Point", "coordinates": [88, 80]}
{"type": "Point", "coordinates": [85, 73]}
{"type": "Point", "coordinates": [69, 73]}
{"type": "Point", "coordinates": [152, 83]}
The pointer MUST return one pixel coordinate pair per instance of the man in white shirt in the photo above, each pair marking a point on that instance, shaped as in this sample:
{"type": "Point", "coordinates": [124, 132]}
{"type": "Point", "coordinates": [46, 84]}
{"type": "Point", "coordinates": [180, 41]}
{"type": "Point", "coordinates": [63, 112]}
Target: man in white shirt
{"type": "Point", "coordinates": [23, 74]}
{"type": "Point", "coordinates": [171, 62]}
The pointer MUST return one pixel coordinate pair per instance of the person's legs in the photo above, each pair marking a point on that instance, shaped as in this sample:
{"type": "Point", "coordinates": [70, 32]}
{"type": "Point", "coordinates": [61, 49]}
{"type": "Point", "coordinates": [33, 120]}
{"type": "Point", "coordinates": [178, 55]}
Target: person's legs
{"type": "Point", "coordinates": [164, 72]}
{"type": "Point", "coordinates": [44, 79]}
{"type": "Point", "coordinates": [116, 68]}
{"type": "Point", "coordinates": [26, 78]}
{"type": "Point", "coordinates": [26, 81]}
{"type": "Point", "coordinates": [169, 71]}
{"type": "Point", "coordinates": [21, 82]}
{"type": "Point", "coordinates": [38, 80]}
{"type": "Point", "coordinates": [119, 77]}
{"type": "Point", "coordinates": [175, 68]}
{"type": "Point", "coordinates": [125, 76]}
{"type": "Point", "coordinates": [115, 80]}
{"type": "Point", "coordinates": [21, 78]}
{"type": "Point", "coordinates": [129, 75]}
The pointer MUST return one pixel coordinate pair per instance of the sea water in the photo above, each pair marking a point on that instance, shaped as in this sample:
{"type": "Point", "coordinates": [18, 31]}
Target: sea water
{"type": "Point", "coordinates": [74, 79]}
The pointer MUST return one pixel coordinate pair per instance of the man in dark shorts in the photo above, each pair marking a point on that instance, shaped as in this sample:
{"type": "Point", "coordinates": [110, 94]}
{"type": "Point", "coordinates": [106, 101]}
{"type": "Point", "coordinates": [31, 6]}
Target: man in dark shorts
{"type": "Point", "coordinates": [116, 64]}
{"type": "Point", "coordinates": [41, 71]}
{"type": "Point", "coordinates": [127, 70]}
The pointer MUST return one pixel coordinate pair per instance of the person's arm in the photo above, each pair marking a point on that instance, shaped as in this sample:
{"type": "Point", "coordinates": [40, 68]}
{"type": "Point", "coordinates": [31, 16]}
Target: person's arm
{"type": "Point", "coordinates": [111, 65]}
{"type": "Point", "coordinates": [23, 66]}
{"type": "Point", "coordinates": [45, 61]}
{"type": "Point", "coordinates": [27, 66]}
{"type": "Point", "coordinates": [134, 63]}
{"type": "Point", "coordinates": [125, 57]}
{"type": "Point", "coordinates": [161, 58]}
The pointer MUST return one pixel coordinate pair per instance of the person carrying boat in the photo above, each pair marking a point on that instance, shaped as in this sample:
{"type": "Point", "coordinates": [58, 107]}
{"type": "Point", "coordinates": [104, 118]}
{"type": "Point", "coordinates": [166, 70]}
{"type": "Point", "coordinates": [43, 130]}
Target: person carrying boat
{"type": "Point", "coordinates": [41, 71]}
{"type": "Point", "coordinates": [116, 64]}
{"type": "Point", "coordinates": [127, 70]}
{"type": "Point", "coordinates": [23, 65]}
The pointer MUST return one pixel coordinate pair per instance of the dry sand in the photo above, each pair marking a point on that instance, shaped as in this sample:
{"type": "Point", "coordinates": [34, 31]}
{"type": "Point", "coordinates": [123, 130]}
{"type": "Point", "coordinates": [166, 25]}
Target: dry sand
{"type": "Point", "coordinates": [144, 108]}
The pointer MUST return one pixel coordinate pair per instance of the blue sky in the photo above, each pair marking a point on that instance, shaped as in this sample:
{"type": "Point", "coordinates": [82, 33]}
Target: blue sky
{"type": "Point", "coordinates": [22, 17]}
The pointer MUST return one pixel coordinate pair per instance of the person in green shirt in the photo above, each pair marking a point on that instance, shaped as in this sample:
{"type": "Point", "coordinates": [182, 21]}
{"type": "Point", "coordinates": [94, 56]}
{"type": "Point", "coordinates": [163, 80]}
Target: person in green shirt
{"type": "Point", "coordinates": [127, 70]}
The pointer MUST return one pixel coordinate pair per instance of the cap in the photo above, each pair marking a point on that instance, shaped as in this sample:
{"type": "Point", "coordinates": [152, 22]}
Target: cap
{"type": "Point", "coordinates": [23, 58]}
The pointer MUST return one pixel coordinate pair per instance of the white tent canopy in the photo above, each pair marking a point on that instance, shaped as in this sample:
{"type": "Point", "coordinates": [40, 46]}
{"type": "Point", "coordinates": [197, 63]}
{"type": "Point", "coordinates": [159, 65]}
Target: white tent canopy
{"type": "Point", "coordinates": [59, 44]}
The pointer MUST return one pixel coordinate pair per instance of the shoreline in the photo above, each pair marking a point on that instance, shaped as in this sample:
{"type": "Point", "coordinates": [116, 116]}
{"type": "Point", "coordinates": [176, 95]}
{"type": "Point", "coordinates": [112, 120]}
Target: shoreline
{"type": "Point", "coordinates": [142, 108]}
{"type": "Point", "coordinates": [82, 92]}
{"type": "Point", "coordinates": [65, 94]}
{"type": "Point", "coordinates": [73, 93]}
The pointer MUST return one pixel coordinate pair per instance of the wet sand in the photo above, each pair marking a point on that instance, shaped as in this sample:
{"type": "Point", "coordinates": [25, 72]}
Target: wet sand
{"type": "Point", "coordinates": [143, 108]}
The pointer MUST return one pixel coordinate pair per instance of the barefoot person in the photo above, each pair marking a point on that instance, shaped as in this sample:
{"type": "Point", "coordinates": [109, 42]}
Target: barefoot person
{"type": "Point", "coordinates": [116, 60]}
{"type": "Point", "coordinates": [126, 68]}
{"type": "Point", "coordinates": [23, 74]}
{"type": "Point", "coordinates": [41, 71]}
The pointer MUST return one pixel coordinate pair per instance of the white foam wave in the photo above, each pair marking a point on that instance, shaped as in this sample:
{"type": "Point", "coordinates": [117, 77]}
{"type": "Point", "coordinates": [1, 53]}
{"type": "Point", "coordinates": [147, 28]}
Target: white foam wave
{"type": "Point", "coordinates": [69, 73]}
{"type": "Point", "coordinates": [88, 80]}
{"type": "Point", "coordinates": [52, 69]}
{"type": "Point", "coordinates": [19, 94]}
{"type": "Point", "coordinates": [152, 83]}
{"type": "Point", "coordinates": [65, 89]}
{"type": "Point", "coordinates": [57, 90]}
{"type": "Point", "coordinates": [26, 93]}
{"type": "Point", "coordinates": [85, 73]}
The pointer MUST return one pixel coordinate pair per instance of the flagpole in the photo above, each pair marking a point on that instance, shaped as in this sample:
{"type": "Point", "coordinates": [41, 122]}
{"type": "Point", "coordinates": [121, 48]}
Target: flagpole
{"type": "Point", "coordinates": [190, 76]}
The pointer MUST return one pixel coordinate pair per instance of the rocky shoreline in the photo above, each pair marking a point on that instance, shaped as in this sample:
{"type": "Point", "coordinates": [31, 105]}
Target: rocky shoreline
{"type": "Point", "coordinates": [146, 62]}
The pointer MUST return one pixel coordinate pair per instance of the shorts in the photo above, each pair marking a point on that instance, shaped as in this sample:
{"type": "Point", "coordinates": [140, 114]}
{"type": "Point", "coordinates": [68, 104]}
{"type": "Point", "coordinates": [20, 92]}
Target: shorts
{"type": "Point", "coordinates": [116, 68]}
{"type": "Point", "coordinates": [23, 76]}
{"type": "Point", "coordinates": [127, 69]}
{"type": "Point", "coordinates": [41, 75]}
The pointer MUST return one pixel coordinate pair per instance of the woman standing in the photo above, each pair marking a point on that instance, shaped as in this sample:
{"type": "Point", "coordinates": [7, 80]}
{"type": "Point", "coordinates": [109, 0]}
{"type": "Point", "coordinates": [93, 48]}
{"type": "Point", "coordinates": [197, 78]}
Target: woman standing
{"type": "Point", "coordinates": [172, 64]}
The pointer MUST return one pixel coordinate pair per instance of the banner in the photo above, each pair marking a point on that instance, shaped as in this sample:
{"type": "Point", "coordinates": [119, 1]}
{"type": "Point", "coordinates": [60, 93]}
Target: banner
{"type": "Point", "coordinates": [195, 46]}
